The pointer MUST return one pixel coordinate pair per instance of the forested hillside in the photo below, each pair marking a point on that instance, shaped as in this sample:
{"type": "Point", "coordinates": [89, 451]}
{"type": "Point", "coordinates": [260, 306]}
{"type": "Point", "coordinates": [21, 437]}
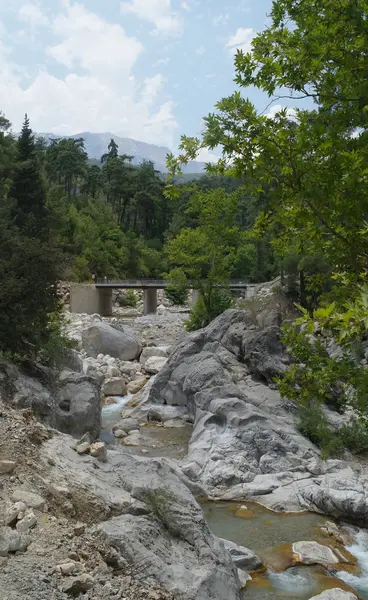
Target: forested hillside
{"type": "Point", "coordinates": [113, 218]}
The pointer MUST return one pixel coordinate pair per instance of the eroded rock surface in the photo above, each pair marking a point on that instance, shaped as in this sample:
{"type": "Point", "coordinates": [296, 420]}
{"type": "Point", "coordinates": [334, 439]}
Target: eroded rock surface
{"type": "Point", "coordinates": [245, 443]}
{"type": "Point", "coordinates": [67, 401]}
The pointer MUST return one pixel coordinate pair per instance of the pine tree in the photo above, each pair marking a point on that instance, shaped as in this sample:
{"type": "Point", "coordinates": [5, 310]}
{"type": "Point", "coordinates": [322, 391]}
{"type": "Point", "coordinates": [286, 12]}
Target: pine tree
{"type": "Point", "coordinates": [29, 259]}
{"type": "Point", "coordinates": [28, 189]}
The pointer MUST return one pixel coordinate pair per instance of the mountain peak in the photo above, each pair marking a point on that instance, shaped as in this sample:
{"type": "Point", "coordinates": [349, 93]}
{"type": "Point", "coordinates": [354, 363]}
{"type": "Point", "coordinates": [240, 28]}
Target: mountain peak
{"type": "Point", "coordinates": [96, 145]}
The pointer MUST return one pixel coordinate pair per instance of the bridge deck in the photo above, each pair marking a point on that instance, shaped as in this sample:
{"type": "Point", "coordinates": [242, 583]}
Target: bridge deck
{"type": "Point", "coordinates": [158, 284]}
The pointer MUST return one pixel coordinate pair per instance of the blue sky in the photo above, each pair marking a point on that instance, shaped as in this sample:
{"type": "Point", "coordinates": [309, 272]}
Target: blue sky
{"type": "Point", "coordinates": [147, 69]}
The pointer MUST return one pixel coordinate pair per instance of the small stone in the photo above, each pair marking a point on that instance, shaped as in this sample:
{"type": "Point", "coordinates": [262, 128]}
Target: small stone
{"type": "Point", "coordinates": [12, 514]}
{"type": "Point", "coordinates": [67, 568]}
{"type": "Point", "coordinates": [27, 523]}
{"type": "Point", "coordinates": [135, 386]}
{"type": "Point", "coordinates": [119, 433]}
{"type": "Point", "coordinates": [86, 438]}
{"type": "Point", "coordinates": [110, 400]}
{"type": "Point", "coordinates": [98, 450]}
{"type": "Point", "coordinates": [172, 423]}
{"type": "Point", "coordinates": [79, 529]}
{"type": "Point", "coordinates": [29, 498]}
{"type": "Point", "coordinates": [7, 466]}
{"type": "Point", "coordinates": [79, 585]}
{"type": "Point", "coordinates": [243, 578]}
{"type": "Point", "coordinates": [127, 425]}
{"type": "Point", "coordinates": [83, 448]}
{"type": "Point", "coordinates": [115, 386]}
{"type": "Point", "coordinates": [12, 541]}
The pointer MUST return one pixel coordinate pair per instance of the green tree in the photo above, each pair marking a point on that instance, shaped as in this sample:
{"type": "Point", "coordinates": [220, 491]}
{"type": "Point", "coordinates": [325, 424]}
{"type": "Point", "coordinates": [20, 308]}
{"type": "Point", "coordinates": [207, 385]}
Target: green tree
{"type": "Point", "coordinates": [66, 164]}
{"type": "Point", "coordinates": [30, 262]}
{"type": "Point", "coordinates": [316, 167]}
{"type": "Point", "coordinates": [206, 253]}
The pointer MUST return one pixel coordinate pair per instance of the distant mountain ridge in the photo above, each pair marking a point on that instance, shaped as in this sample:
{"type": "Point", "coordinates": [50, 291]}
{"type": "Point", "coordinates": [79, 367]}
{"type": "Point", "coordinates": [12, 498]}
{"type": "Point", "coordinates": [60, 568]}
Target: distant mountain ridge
{"type": "Point", "coordinates": [96, 145]}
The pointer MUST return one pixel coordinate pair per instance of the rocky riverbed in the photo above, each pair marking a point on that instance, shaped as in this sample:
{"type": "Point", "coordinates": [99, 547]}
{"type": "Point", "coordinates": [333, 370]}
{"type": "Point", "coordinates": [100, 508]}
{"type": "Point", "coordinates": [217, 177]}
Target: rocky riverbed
{"type": "Point", "coordinates": [111, 512]}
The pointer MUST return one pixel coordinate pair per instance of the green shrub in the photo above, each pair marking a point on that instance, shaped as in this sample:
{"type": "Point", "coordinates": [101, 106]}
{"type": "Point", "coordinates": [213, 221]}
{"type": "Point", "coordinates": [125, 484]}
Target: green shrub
{"type": "Point", "coordinates": [129, 298]}
{"type": "Point", "coordinates": [202, 314]}
{"type": "Point", "coordinates": [177, 290]}
{"type": "Point", "coordinates": [354, 436]}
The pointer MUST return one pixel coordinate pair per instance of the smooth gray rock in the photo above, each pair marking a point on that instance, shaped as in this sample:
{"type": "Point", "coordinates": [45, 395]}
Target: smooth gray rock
{"type": "Point", "coordinates": [154, 364]}
{"type": "Point", "coordinates": [335, 594]}
{"type": "Point", "coordinates": [30, 499]}
{"type": "Point", "coordinates": [243, 558]}
{"type": "Point", "coordinates": [126, 425]}
{"type": "Point", "coordinates": [150, 351]}
{"type": "Point", "coordinates": [341, 495]}
{"type": "Point", "coordinates": [24, 390]}
{"type": "Point", "coordinates": [312, 553]}
{"type": "Point", "coordinates": [102, 338]}
{"type": "Point", "coordinates": [27, 523]}
{"type": "Point", "coordinates": [159, 523]}
{"type": "Point", "coordinates": [114, 386]}
{"type": "Point", "coordinates": [69, 401]}
{"type": "Point", "coordinates": [221, 376]}
{"type": "Point", "coordinates": [78, 405]}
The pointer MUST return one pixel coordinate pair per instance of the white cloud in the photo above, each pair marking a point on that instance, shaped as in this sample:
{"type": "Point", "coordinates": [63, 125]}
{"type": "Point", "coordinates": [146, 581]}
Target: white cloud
{"type": "Point", "coordinates": [32, 14]}
{"type": "Point", "coordinates": [242, 40]}
{"type": "Point", "coordinates": [99, 93]}
{"type": "Point", "coordinates": [211, 75]}
{"type": "Point", "coordinates": [162, 61]}
{"type": "Point", "coordinates": [201, 50]}
{"type": "Point", "coordinates": [185, 6]}
{"type": "Point", "coordinates": [220, 20]}
{"type": "Point", "coordinates": [276, 108]}
{"type": "Point", "coordinates": [151, 87]}
{"type": "Point", "coordinates": [91, 43]}
{"type": "Point", "coordinates": [158, 12]}
{"type": "Point", "coordinates": [206, 155]}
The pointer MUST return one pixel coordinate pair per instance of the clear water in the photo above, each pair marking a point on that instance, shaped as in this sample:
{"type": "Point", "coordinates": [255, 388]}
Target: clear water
{"type": "Point", "coordinates": [360, 550]}
{"type": "Point", "coordinates": [110, 415]}
{"type": "Point", "coordinates": [156, 440]}
{"type": "Point", "coordinates": [265, 529]}
{"type": "Point", "coordinates": [270, 535]}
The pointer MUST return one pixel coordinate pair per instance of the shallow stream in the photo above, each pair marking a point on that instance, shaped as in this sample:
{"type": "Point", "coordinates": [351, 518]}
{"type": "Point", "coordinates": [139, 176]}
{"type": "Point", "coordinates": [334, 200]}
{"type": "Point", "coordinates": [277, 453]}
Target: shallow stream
{"type": "Point", "coordinates": [269, 534]}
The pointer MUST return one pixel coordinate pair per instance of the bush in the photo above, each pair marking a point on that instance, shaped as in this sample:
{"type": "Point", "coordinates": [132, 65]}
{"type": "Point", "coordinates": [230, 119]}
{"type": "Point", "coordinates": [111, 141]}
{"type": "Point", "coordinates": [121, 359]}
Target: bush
{"type": "Point", "coordinates": [177, 291]}
{"type": "Point", "coordinates": [128, 299]}
{"type": "Point", "coordinates": [201, 315]}
{"type": "Point", "coordinates": [354, 436]}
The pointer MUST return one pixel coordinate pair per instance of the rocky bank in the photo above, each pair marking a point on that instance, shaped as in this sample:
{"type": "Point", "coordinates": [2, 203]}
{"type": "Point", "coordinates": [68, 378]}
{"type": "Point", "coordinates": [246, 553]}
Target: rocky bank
{"type": "Point", "coordinates": [80, 520]}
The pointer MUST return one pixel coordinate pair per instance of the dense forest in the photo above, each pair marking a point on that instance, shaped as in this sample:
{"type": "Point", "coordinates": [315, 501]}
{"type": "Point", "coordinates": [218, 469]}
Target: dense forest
{"type": "Point", "coordinates": [114, 219]}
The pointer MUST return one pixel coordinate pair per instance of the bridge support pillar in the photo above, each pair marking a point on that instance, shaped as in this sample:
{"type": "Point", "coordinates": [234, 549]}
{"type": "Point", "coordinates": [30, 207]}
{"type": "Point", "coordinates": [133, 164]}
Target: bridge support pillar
{"type": "Point", "coordinates": [196, 294]}
{"type": "Point", "coordinates": [104, 302]}
{"type": "Point", "coordinates": [150, 301]}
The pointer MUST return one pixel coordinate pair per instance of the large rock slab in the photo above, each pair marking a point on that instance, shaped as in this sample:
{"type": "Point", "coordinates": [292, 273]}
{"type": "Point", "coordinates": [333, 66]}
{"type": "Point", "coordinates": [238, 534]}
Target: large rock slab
{"type": "Point", "coordinates": [245, 443]}
{"type": "Point", "coordinates": [77, 405]}
{"type": "Point", "coordinates": [149, 515]}
{"type": "Point", "coordinates": [102, 338]}
{"type": "Point", "coordinates": [312, 553]}
{"type": "Point", "coordinates": [223, 377]}
{"type": "Point", "coordinates": [335, 594]}
{"type": "Point", "coordinates": [68, 401]}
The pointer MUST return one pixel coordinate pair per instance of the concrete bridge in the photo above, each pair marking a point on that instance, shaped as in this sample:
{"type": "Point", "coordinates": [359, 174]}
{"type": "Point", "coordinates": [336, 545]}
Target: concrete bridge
{"type": "Point", "coordinates": [97, 297]}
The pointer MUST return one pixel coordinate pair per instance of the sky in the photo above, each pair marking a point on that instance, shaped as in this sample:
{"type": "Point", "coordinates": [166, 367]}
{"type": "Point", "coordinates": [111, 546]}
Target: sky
{"type": "Point", "coordinates": [145, 69]}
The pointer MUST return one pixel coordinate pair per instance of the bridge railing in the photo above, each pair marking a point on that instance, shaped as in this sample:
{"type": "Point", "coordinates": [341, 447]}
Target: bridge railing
{"type": "Point", "coordinates": [162, 282]}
